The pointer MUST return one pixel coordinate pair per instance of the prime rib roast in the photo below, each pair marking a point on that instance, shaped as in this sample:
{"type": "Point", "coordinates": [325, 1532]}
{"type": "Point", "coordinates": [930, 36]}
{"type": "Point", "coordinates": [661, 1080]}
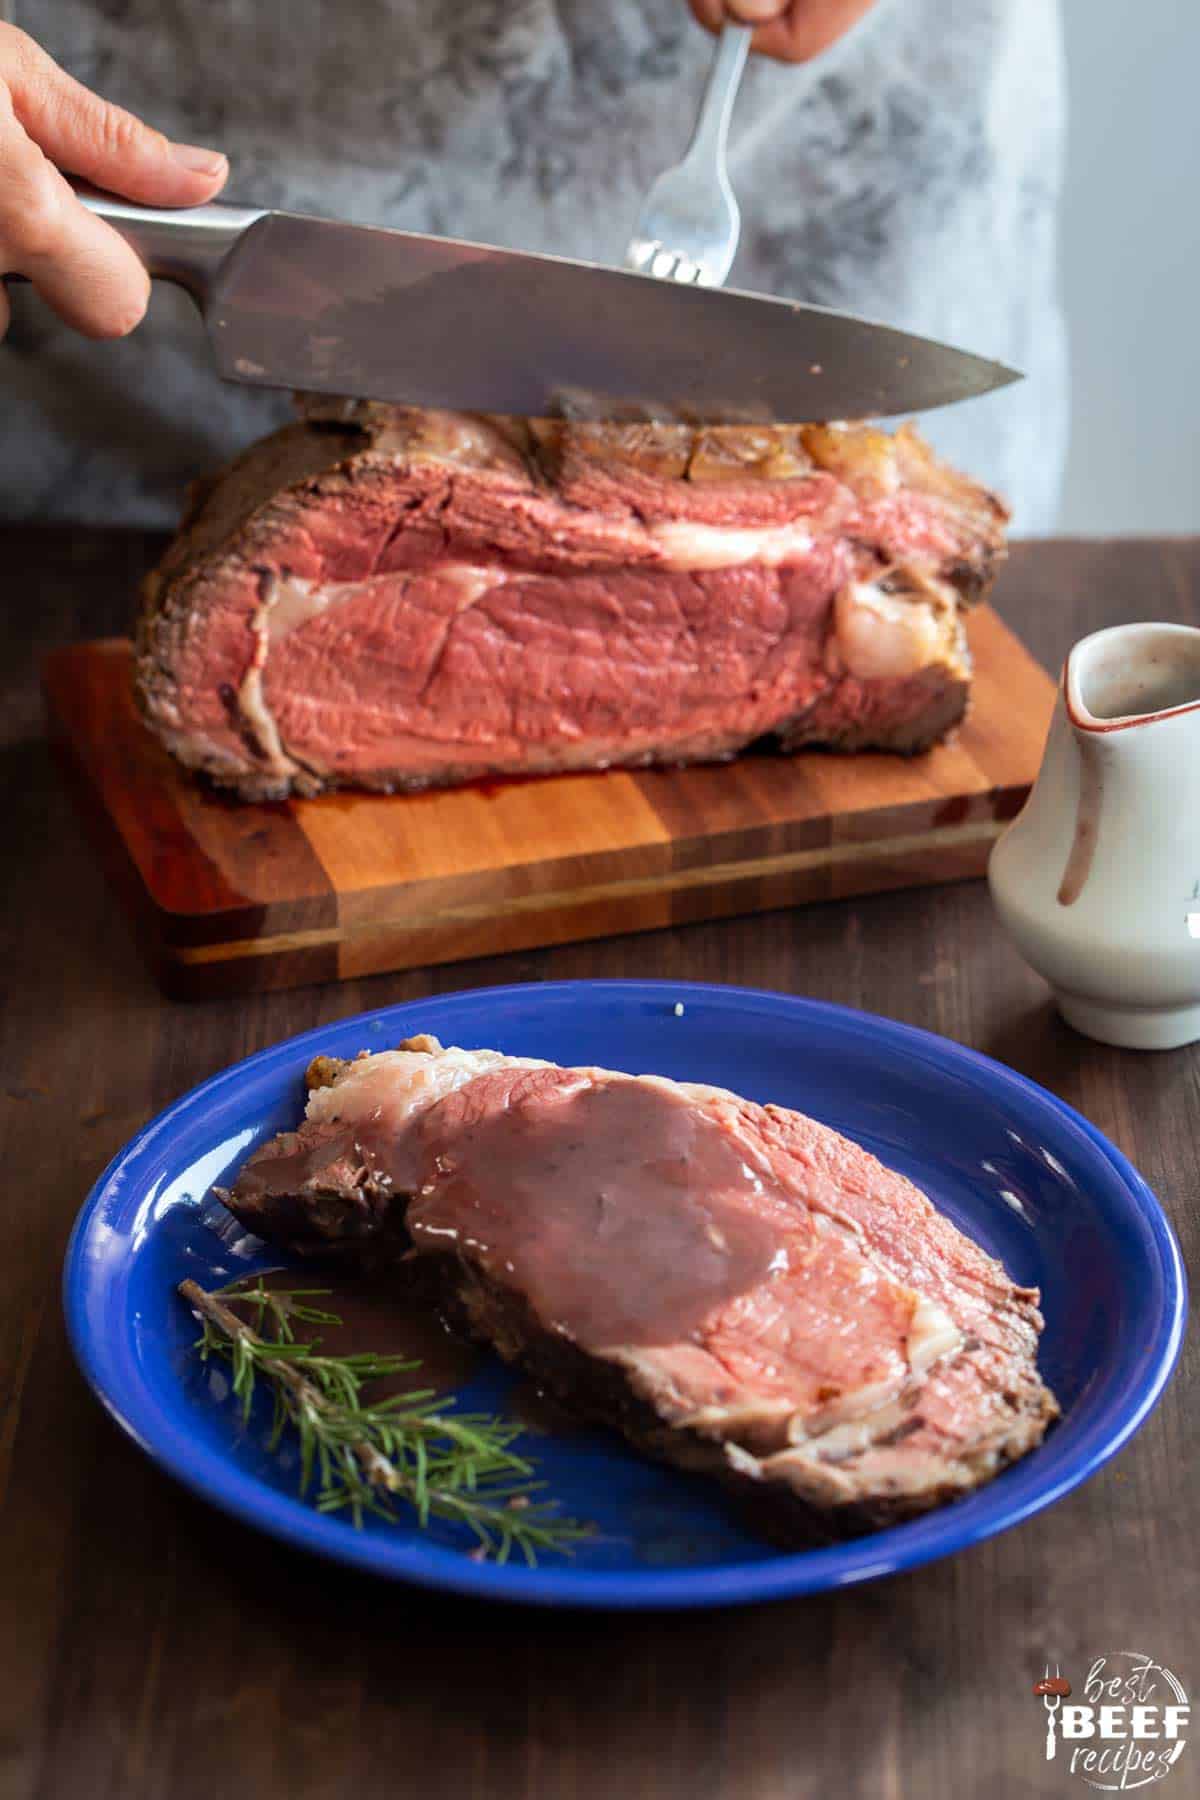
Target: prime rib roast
{"type": "Point", "coordinates": [737, 1288]}
{"type": "Point", "coordinates": [388, 598]}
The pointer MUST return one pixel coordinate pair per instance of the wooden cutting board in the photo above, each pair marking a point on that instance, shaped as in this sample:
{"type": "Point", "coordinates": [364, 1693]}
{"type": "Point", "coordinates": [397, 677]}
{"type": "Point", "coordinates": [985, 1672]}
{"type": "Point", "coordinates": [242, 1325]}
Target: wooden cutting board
{"type": "Point", "coordinates": [231, 897]}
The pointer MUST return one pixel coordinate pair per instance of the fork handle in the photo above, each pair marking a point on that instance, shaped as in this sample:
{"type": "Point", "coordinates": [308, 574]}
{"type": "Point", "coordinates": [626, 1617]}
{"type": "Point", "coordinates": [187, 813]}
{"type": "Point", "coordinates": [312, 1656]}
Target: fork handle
{"type": "Point", "coordinates": [712, 123]}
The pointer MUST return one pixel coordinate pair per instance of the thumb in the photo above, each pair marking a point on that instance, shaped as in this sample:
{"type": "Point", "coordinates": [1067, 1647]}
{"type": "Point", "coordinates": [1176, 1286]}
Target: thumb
{"type": "Point", "coordinates": [86, 136]}
{"type": "Point", "coordinates": [754, 12]}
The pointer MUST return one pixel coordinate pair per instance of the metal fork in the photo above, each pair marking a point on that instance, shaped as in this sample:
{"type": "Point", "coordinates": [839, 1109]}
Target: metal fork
{"type": "Point", "coordinates": [688, 227]}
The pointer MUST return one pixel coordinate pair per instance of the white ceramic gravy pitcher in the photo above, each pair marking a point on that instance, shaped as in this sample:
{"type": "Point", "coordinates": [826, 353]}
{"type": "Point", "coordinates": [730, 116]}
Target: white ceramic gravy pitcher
{"type": "Point", "coordinates": [1098, 878]}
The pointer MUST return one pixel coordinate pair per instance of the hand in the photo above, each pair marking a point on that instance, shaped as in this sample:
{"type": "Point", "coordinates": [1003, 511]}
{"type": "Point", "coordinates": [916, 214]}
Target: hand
{"type": "Point", "coordinates": [49, 122]}
{"type": "Point", "coordinates": [788, 30]}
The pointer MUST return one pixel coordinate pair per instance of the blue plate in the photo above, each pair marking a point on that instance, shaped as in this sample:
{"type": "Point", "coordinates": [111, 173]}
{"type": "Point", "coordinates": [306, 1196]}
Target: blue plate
{"type": "Point", "coordinates": [1011, 1165]}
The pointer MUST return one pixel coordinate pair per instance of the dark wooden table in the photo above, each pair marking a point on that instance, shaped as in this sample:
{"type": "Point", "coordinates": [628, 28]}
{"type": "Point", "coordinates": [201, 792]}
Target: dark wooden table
{"type": "Point", "coordinates": [149, 1647]}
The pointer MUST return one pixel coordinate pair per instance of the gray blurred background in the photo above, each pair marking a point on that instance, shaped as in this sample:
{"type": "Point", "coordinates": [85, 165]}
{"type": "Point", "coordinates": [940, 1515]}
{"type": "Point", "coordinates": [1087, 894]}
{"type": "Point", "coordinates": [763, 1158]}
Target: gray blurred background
{"type": "Point", "coordinates": [1130, 266]}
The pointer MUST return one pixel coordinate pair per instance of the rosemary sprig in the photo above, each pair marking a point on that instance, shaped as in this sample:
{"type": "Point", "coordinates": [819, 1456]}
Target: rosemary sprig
{"type": "Point", "coordinates": [445, 1464]}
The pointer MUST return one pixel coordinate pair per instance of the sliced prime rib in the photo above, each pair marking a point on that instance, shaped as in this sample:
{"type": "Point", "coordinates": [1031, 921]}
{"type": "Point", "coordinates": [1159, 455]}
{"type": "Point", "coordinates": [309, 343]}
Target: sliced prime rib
{"type": "Point", "coordinates": [737, 1288]}
{"type": "Point", "coordinates": [388, 598]}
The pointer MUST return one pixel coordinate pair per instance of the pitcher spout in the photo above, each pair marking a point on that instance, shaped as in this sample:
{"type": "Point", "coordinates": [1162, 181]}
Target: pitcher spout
{"type": "Point", "coordinates": [1132, 675]}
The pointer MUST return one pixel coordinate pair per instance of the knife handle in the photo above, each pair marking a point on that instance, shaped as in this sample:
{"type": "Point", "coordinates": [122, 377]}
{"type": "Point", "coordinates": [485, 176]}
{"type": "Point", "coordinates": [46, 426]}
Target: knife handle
{"type": "Point", "coordinates": [186, 245]}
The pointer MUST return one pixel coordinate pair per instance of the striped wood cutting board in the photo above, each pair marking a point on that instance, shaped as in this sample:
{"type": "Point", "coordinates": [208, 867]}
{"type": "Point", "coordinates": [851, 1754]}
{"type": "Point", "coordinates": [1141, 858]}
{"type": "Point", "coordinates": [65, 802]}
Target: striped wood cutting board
{"type": "Point", "coordinates": [231, 897]}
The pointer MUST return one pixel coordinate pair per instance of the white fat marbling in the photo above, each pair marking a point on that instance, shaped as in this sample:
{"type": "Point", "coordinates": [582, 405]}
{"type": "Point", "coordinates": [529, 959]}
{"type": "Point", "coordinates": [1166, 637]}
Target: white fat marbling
{"type": "Point", "coordinates": [394, 1085]}
{"type": "Point", "coordinates": [882, 636]}
{"type": "Point", "coordinates": [932, 1334]}
{"type": "Point", "coordinates": [688, 544]}
{"type": "Point", "coordinates": [295, 600]}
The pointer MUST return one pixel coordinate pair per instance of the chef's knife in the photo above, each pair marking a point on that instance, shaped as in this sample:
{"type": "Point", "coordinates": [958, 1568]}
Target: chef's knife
{"type": "Point", "coordinates": [308, 303]}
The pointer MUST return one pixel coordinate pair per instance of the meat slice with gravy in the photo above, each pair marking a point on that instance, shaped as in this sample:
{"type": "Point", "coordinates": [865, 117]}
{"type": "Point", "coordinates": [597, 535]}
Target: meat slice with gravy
{"type": "Point", "coordinates": [737, 1288]}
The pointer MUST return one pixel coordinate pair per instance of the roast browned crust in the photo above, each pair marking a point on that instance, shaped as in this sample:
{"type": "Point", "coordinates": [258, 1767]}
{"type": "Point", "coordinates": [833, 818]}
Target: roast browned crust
{"type": "Point", "coordinates": [409, 522]}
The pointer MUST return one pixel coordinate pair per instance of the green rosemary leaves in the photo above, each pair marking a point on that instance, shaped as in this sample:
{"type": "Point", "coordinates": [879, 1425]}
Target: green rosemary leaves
{"type": "Point", "coordinates": [357, 1455]}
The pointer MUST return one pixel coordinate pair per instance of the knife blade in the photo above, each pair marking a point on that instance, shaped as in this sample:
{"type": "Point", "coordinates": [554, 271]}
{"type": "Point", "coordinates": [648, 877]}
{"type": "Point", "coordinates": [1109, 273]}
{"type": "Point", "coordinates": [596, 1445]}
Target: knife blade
{"type": "Point", "coordinates": [292, 301]}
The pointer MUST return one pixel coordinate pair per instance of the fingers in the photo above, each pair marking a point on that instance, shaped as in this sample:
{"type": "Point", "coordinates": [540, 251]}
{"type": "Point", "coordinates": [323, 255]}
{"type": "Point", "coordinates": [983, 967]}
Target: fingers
{"type": "Point", "coordinates": [79, 265]}
{"type": "Point", "coordinates": [786, 30]}
{"type": "Point", "coordinates": [712, 14]}
{"type": "Point", "coordinates": [753, 12]}
{"type": "Point", "coordinates": [50, 122]}
{"type": "Point", "coordinates": [806, 28]}
{"type": "Point", "coordinates": [80, 132]}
